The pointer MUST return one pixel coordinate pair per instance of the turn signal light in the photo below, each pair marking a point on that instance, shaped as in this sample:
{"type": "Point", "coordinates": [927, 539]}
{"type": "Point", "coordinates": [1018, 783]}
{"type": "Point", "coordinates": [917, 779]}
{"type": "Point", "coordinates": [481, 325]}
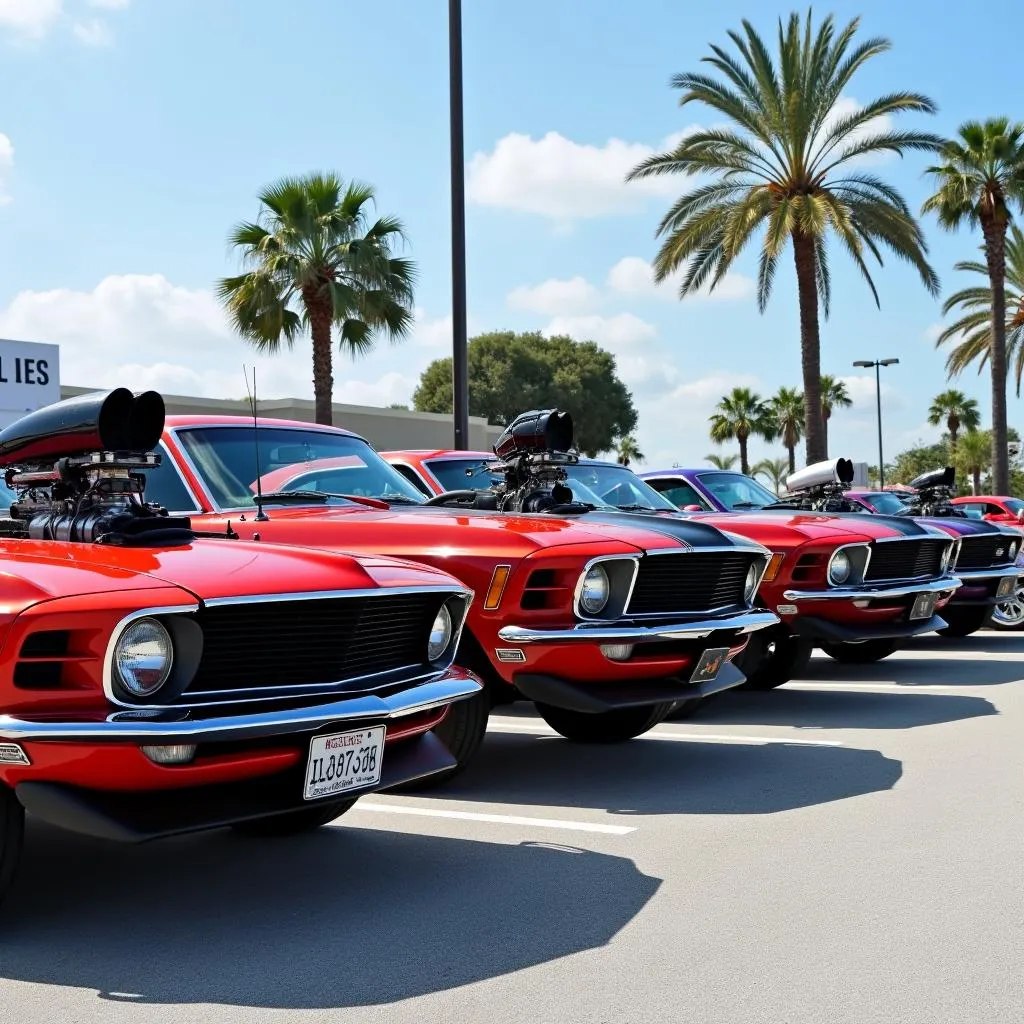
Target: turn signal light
{"type": "Point", "coordinates": [774, 565]}
{"type": "Point", "coordinates": [497, 586]}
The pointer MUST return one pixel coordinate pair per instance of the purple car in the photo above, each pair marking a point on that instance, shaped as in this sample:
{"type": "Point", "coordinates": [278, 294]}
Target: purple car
{"type": "Point", "coordinates": [986, 562]}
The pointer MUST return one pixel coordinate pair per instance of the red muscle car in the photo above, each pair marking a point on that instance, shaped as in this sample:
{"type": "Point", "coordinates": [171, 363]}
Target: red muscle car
{"type": "Point", "coordinates": [853, 586]}
{"type": "Point", "coordinates": [993, 508]}
{"type": "Point", "coordinates": [606, 627]}
{"type": "Point", "coordinates": [154, 682]}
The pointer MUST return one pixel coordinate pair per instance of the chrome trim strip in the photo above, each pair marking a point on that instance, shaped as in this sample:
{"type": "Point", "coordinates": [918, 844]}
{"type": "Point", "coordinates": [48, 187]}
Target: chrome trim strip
{"type": "Point", "coordinates": [988, 574]}
{"type": "Point", "coordinates": [108, 658]}
{"type": "Point", "coordinates": [587, 566]}
{"type": "Point", "coordinates": [118, 728]}
{"type": "Point", "coordinates": [866, 593]}
{"type": "Point", "coordinates": [593, 633]}
{"type": "Point", "coordinates": [168, 460]}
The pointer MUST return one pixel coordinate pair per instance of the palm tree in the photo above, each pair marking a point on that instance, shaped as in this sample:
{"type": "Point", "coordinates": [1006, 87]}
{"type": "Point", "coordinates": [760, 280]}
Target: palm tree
{"type": "Point", "coordinates": [314, 260]}
{"type": "Point", "coordinates": [774, 471]}
{"type": "Point", "coordinates": [629, 451]}
{"type": "Point", "coordinates": [787, 406]}
{"type": "Point", "coordinates": [834, 395]}
{"type": "Point", "coordinates": [979, 182]}
{"type": "Point", "coordinates": [972, 333]}
{"type": "Point", "coordinates": [787, 165]}
{"type": "Point", "coordinates": [956, 410]}
{"type": "Point", "coordinates": [973, 456]}
{"type": "Point", "coordinates": [721, 461]}
{"type": "Point", "coordinates": [739, 415]}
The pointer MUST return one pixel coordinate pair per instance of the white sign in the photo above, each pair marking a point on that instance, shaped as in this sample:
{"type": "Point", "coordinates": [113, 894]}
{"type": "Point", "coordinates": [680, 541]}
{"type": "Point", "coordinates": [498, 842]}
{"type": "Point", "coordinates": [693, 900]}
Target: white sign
{"type": "Point", "coordinates": [29, 378]}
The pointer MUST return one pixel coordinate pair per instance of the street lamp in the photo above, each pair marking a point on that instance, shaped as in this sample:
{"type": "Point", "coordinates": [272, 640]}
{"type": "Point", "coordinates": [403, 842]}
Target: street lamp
{"type": "Point", "coordinates": [460, 354]}
{"type": "Point", "coordinates": [877, 364]}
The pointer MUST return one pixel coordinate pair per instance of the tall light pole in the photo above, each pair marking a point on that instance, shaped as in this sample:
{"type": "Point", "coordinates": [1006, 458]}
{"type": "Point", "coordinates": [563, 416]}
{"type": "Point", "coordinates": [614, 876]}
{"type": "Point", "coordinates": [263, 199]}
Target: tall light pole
{"type": "Point", "coordinates": [460, 354]}
{"type": "Point", "coordinates": [878, 364]}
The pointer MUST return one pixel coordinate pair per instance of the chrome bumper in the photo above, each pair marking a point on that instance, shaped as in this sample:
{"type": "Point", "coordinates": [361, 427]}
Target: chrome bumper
{"type": "Point", "coordinates": [599, 633]}
{"type": "Point", "coordinates": [988, 574]}
{"type": "Point", "coordinates": [867, 593]}
{"type": "Point", "coordinates": [173, 727]}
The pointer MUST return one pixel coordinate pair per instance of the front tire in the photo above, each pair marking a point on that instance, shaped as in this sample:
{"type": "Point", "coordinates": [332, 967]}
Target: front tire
{"type": "Point", "coordinates": [1009, 614]}
{"type": "Point", "coordinates": [863, 652]}
{"type": "Point", "coordinates": [770, 661]}
{"type": "Point", "coordinates": [963, 621]}
{"type": "Point", "coordinates": [605, 727]}
{"type": "Point", "coordinates": [294, 823]}
{"type": "Point", "coordinates": [12, 836]}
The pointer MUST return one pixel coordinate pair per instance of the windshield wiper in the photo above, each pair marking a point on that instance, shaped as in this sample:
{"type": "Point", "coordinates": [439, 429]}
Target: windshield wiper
{"type": "Point", "coordinates": [397, 499]}
{"type": "Point", "coordinates": [749, 504]}
{"type": "Point", "coordinates": [297, 497]}
{"type": "Point", "coordinates": [641, 508]}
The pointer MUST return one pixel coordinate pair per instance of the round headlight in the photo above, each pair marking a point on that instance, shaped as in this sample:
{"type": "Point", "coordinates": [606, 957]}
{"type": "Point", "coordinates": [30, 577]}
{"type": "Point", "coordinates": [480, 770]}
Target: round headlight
{"type": "Point", "coordinates": [440, 634]}
{"type": "Point", "coordinates": [143, 656]}
{"type": "Point", "coordinates": [595, 590]}
{"type": "Point", "coordinates": [1013, 548]}
{"type": "Point", "coordinates": [839, 568]}
{"type": "Point", "coordinates": [750, 584]}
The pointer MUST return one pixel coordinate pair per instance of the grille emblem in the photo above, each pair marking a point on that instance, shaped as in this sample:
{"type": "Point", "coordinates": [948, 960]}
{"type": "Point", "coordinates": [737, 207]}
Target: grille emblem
{"type": "Point", "coordinates": [11, 753]}
{"type": "Point", "coordinates": [510, 654]}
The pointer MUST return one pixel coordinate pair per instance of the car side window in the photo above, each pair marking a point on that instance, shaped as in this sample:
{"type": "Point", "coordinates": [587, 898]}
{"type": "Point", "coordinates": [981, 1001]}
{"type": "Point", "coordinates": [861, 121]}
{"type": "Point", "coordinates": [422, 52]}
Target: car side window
{"type": "Point", "coordinates": [971, 509]}
{"type": "Point", "coordinates": [410, 474]}
{"type": "Point", "coordinates": [165, 487]}
{"type": "Point", "coordinates": [679, 492]}
{"type": "Point", "coordinates": [994, 510]}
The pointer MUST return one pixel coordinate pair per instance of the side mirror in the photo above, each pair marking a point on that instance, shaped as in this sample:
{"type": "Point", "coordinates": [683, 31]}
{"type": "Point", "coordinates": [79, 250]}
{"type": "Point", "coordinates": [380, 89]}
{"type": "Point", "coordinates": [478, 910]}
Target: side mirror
{"type": "Point", "coordinates": [697, 508]}
{"type": "Point", "coordinates": [1020, 516]}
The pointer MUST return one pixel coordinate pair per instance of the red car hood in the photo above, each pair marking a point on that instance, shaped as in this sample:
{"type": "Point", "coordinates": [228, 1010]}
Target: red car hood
{"type": "Point", "coordinates": [769, 527]}
{"type": "Point", "coordinates": [403, 530]}
{"type": "Point", "coordinates": [35, 571]}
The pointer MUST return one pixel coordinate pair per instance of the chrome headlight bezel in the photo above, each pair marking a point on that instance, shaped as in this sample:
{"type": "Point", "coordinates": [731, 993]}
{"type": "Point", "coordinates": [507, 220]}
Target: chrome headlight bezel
{"type": "Point", "coordinates": [596, 579]}
{"type": "Point", "coordinates": [841, 560]}
{"type": "Point", "coordinates": [153, 642]}
{"type": "Point", "coordinates": [751, 583]}
{"type": "Point", "coordinates": [441, 634]}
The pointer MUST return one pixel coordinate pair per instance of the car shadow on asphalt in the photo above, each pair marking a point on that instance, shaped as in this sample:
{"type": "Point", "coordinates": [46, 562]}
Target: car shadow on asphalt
{"type": "Point", "coordinates": [340, 918]}
{"type": "Point", "coordinates": [981, 643]}
{"type": "Point", "coordinates": [649, 776]}
{"type": "Point", "coordinates": [840, 709]}
{"type": "Point", "coordinates": [904, 669]}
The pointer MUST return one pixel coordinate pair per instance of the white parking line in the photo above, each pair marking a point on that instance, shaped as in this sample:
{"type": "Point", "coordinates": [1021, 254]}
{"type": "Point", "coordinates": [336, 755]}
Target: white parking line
{"type": "Point", "coordinates": [839, 686]}
{"type": "Point", "coordinates": [540, 729]}
{"type": "Point", "coordinates": [497, 819]}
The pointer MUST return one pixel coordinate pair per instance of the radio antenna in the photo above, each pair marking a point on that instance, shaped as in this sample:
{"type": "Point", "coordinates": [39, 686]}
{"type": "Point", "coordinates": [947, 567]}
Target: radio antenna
{"type": "Point", "coordinates": [261, 516]}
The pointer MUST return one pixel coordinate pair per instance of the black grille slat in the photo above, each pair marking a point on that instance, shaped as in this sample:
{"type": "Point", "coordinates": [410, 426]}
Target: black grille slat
{"type": "Point", "coordinates": [695, 581]}
{"type": "Point", "coordinates": [285, 643]}
{"type": "Point", "coordinates": [980, 552]}
{"type": "Point", "coordinates": [905, 559]}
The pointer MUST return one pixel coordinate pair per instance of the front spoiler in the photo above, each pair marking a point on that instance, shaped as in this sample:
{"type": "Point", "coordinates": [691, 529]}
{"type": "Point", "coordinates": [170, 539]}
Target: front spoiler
{"type": "Point", "coordinates": [980, 586]}
{"type": "Point", "coordinates": [597, 698]}
{"type": "Point", "coordinates": [610, 633]}
{"type": "Point", "coordinates": [187, 726]}
{"type": "Point", "coordinates": [824, 630]}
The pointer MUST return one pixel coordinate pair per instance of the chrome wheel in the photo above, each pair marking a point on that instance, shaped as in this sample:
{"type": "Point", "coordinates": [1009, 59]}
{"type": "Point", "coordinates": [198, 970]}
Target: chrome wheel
{"type": "Point", "coordinates": [1010, 615]}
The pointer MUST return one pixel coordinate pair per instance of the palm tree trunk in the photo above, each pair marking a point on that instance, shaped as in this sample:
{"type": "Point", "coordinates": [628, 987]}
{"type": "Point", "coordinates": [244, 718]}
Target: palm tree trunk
{"type": "Point", "coordinates": [319, 313]}
{"type": "Point", "coordinates": [815, 443]}
{"type": "Point", "coordinates": [744, 464]}
{"type": "Point", "coordinates": [791, 448]}
{"type": "Point", "coordinates": [952, 441]}
{"type": "Point", "coordinates": [977, 482]}
{"type": "Point", "coordinates": [825, 417]}
{"type": "Point", "coordinates": [995, 255]}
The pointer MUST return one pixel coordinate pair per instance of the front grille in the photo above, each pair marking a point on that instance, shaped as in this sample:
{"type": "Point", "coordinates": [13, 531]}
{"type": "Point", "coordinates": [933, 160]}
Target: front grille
{"type": "Point", "coordinates": [695, 581]}
{"type": "Point", "coordinates": [984, 551]}
{"type": "Point", "coordinates": [905, 559]}
{"type": "Point", "coordinates": [284, 643]}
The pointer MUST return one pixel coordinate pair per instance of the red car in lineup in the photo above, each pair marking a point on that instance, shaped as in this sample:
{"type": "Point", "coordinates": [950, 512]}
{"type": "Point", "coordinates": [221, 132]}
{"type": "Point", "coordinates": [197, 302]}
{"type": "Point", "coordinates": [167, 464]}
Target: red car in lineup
{"type": "Point", "coordinates": [607, 627]}
{"type": "Point", "coordinates": [155, 682]}
{"type": "Point", "coordinates": [854, 586]}
{"type": "Point", "coordinates": [994, 509]}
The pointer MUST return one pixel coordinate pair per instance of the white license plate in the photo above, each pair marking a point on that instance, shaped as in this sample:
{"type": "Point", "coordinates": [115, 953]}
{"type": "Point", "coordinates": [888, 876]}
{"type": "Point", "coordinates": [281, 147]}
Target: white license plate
{"type": "Point", "coordinates": [923, 606]}
{"type": "Point", "coordinates": [344, 761]}
{"type": "Point", "coordinates": [1007, 585]}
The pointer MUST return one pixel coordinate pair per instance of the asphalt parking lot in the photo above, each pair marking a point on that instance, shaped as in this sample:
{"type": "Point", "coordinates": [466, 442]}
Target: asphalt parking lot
{"type": "Point", "coordinates": [846, 849]}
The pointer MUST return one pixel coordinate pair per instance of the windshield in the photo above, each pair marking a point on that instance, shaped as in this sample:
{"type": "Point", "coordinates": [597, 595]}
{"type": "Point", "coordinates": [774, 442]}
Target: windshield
{"type": "Point", "coordinates": [734, 490]}
{"type": "Point", "coordinates": [463, 474]}
{"type": "Point", "coordinates": [885, 502]}
{"type": "Point", "coordinates": [1014, 504]}
{"type": "Point", "coordinates": [290, 459]}
{"type": "Point", "coordinates": [615, 485]}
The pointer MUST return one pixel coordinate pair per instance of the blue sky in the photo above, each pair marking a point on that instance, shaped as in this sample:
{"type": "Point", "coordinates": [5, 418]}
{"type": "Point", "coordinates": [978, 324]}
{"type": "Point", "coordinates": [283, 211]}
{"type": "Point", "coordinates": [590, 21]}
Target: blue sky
{"type": "Point", "coordinates": [138, 131]}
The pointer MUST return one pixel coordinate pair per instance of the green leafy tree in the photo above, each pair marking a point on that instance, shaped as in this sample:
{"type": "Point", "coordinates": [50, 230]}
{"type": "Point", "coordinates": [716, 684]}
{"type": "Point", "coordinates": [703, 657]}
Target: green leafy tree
{"type": "Point", "coordinates": [915, 461]}
{"type": "Point", "coordinates": [979, 181]}
{"type": "Point", "coordinates": [721, 461]}
{"type": "Point", "coordinates": [957, 411]}
{"type": "Point", "coordinates": [785, 166]}
{"type": "Point", "coordinates": [787, 406]}
{"type": "Point", "coordinates": [971, 333]}
{"type": "Point", "coordinates": [740, 415]}
{"type": "Point", "coordinates": [774, 471]}
{"type": "Point", "coordinates": [973, 457]}
{"type": "Point", "coordinates": [628, 451]}
{"type": "Point", "coordinates": [511, 373]}
{"type": "Point", "coordinates": [316, 261]}
{"type": "Point", "coordinates": [834, 395]}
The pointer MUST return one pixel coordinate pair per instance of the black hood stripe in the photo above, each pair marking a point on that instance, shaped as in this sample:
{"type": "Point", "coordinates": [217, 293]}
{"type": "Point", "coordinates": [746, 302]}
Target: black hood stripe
{"type": "Point", "coordinates": [697, 535]}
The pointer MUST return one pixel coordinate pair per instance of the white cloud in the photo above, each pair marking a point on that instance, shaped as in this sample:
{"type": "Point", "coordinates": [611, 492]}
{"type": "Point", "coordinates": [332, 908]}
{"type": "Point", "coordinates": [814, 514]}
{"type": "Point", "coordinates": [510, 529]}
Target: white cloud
{"type": "Point", "coordinates": [862, 394]}
{"type": "Point", "coordinates": [29, 19]}
{"type": "Point", "coordinates": [6, 165]}
{"type": "Point", "coordinates": [110, 5]}
{"type": "Point", "coordinates": [565, 180]}
{"type": "Point", "coordinates": [616, 332]}
{"type": "Point", "coordinates": [93, 32]}
{"type": "Point", "coordinates": [932, 332]}
{"type": "Point", "coordinates": [633, 275]}
{"type": "Point", "coordinates": [555, 297]}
